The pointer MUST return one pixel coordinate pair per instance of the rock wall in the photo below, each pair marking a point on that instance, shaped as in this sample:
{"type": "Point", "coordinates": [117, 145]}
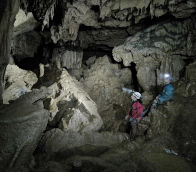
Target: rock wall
{"type": "Point", "coordinates": [70, 59]}
{"type": "Point", "coordinates": [160, 48]}
{"type": "Point", "coordinates": [8, 10]}
{"type": "Point", "coordinates": [104, 81]}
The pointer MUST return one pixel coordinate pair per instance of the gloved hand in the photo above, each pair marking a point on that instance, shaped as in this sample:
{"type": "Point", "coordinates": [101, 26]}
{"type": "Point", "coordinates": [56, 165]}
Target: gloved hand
{"type": "Point", "coordinates": [127, 117]}
{"type": "Point", "coordinates": [155, 103]}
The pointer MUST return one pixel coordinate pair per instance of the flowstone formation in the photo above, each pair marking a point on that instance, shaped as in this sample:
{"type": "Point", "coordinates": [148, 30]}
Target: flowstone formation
{"type": "Point", "coordinates": [160, 48]}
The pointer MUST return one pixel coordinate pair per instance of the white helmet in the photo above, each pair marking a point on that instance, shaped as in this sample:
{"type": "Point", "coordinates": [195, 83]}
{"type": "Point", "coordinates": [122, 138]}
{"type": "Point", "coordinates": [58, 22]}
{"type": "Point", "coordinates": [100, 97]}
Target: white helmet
{"type": "Point", "coordinates": [137, 95]}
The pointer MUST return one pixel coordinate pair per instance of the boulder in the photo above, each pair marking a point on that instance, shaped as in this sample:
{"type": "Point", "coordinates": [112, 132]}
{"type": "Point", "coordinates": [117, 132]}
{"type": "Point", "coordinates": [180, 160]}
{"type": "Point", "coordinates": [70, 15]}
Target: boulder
{"type": "Point", "coordinates": [22, 124]}
{"type": "Point", "coordinates": [17, 82]}
{"type": "Point", "coordinates": [24, 23]}
{"type": "Point", "coordinates": [71, 108]}
{"type": "Point", "coordinates": [104, 81]}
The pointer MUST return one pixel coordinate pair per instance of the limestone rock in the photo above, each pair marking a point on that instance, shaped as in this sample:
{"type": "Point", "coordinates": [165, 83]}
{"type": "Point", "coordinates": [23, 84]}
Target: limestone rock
{"type": "Point", "coordinates": [71, 59]}
{"type": "Point", "coordinates": [155, 45]}
{"type": "Point", "coordinates": [26, 45]}
{"type": "Point", "coordinates": [101, 14]}
{"type": "Point", "coordinates": [191, 72]}
{"type": "Point", "coordinates": [147, 97]}
{"type": "Point", "coordinates": [146, 75]}
{"type": "Point", "coordinates": [110, 37]}
{"type": "Point", "coordinates": [172, 65]}
{"type": "Point", "coordinates": [22, 124]}
{"type": "Point", "coordinates": [186, 88]}
{"type": "Point", "coordinates": [104, 82]}
{"type": "Point", "coordinates": [78, 13]}
{"type": "Point", "coordinates": [157, 156]}
{"type": "Point", "coordinates": [184, 127]}
{"type": "Point", "coordinates": [6, 27]}
{"type": "Point", "coordinates": [24, 23]}
{"type": "Point", "coordinates": [71, 105]}
{"type": "Point", "coordinates": [17, 82]}
{"type": "Point", "coordinates": [56, 140]}
{"type": "Point", "coordinates": [175, 119]}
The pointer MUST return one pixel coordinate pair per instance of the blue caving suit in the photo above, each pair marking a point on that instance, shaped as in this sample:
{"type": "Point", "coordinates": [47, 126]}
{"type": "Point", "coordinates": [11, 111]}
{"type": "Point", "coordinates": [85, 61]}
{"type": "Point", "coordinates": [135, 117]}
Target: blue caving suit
{"type": "Point", "coordinates": [167, 94]}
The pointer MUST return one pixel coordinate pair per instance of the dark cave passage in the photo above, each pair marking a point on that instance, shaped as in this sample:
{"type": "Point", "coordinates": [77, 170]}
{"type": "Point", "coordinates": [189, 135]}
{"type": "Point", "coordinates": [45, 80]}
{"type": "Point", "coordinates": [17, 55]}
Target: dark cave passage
{"type": "Point", "coordinates": [97, 51]}
{"type": "Point", "coordinates": [136, 85]}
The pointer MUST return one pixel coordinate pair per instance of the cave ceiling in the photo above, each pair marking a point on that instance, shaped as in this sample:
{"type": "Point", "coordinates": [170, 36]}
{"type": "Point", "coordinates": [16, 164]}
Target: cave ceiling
{"type": "Point", "coordinates": [67, 19]}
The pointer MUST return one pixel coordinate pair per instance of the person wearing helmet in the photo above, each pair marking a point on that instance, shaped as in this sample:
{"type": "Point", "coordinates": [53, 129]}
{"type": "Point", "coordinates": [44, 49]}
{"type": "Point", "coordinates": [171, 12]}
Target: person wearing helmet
{"type": "Point", "coordinates": [135, 113]}
{"type": "Point", "coordinates": [167, 93]}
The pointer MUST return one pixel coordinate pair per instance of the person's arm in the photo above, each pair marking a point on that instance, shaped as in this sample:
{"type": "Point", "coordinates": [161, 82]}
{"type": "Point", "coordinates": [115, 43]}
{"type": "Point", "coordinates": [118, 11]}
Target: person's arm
{"type": "Point", "coordinates": [167, 94]}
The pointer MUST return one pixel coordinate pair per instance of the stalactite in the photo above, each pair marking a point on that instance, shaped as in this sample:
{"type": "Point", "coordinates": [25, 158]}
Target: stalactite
{"type": "Point", "coordinates": [49, 14]}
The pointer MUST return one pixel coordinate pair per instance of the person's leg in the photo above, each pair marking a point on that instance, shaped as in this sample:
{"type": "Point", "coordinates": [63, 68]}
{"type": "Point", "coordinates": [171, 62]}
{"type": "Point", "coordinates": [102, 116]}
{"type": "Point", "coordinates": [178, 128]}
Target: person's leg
{"type": "Point", "coordinates": [127, 124]}
{"type": "Point", "coordinates": [133, 129]}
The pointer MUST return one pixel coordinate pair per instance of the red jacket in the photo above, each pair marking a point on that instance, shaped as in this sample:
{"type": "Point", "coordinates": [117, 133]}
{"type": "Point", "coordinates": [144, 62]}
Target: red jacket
{"type": "Point", "coordinates": [137, 110]}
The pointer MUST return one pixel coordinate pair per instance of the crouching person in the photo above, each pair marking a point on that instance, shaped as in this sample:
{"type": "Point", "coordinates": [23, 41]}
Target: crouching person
{"type": "Point", "coordinates": [168, 91]}
{"type": "Point", "coordinates": [135, 114]}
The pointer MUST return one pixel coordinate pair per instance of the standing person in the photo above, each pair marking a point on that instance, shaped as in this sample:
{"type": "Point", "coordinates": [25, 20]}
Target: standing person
{"type": "Point", "coordinates": [135, 113]}
{"type": "Point", "coordinates": [167, 93]}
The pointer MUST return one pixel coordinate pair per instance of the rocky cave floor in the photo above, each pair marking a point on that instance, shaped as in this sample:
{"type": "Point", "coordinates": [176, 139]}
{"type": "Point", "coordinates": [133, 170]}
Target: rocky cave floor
{"type": "Point", "coordinates": [63, 105]}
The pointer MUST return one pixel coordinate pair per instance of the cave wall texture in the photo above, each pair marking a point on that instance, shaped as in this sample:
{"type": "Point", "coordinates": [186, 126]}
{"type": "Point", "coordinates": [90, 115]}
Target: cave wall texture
{"type": "Point", "coordinates": [62, 90]}
{"type": "Point", "coordinates": [8, 11]}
